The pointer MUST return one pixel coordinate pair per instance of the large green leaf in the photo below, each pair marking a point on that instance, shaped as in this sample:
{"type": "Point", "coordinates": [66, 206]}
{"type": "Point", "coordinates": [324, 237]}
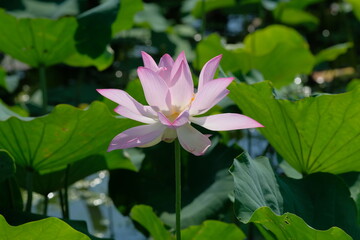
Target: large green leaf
{"type": "Point", "coordinates": [315, 134]}
{"type": "Point", "coordinates": [208, 230]}
{"type": "Point", "coordinates": [66, 135]}
{"type": "Point", "coordinates": [307, 198]}
{"type": "Point", "coordinates": [278, 52]}
{"type": "Point", "coordinates": [50, 228]}
{"type": "Point", "coordinates": [101, 62]}
{"type": "Point", "coordinates": [37, 41]}
{"type": "Point", "coordinates": [125, 17]}
{"type": "Point", "coordinates": [94, 32]}
{"type": "Point", "coordinates": [289, 226]}
{"type": "Point", "coordinates": [18, 218]}
{"type": "Point", "coordinates": [46, 183]}
{"type": "Point", "coordinates": [7, 165]}
{"type": "Point", "coordinates": [211, 46]}
{"type": "Point", "coordinates": [293, 16]}
{"type": "Point", "coordinates": [255, 185]}
{"type": "Point", "coordinates": [147, 218]}
{"type": "Point", "coordinates": [213, 230]}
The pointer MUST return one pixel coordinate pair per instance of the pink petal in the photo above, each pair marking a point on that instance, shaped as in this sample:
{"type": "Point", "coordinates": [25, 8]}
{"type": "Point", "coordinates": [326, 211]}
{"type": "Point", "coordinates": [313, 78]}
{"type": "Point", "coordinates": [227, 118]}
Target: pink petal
{"type": "Point", "coordinates": [124, 99]}
{"type": "Point", "coordinates": [208, 71]}
{"type": "Point", "coordinates": [165, 65]}
{"type": "Point", "coordinates": [209, 95]}
{"type": "Point", "coordinates": [177, 64]}
{"type": "Point", "coordinates": [155, 89]}
{"type": "Point", "coordinates": [226, 121]}
{"type": "Point", "coordinates": [192, 140]}
{"type": "Point", "coordinates": [149, 62]}
{"type": "Point", "coordinates": [123, 111]}
{"type": "Point", "coordinates": [182, 119]}
{"type": "Point", "coordinates": [137, 136]}
{"type": "Point", "coordinates": [166, 61]}
{"type": "Point", "coordinates": [182, 90]}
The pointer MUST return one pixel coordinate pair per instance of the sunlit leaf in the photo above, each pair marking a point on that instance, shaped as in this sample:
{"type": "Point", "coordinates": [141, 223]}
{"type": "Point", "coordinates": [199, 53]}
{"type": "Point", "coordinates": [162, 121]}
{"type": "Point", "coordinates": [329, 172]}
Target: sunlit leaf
{"type": "Point", "coordinates": [101, 63]}
{"type": "Point", "coordinates": [353, 84]}
{"type": "Point", "coordinates": [278, 52]}
{"type": "Point", "coordinates": [37, 41]}
{"type": "Point", "coordinates": [125, 17]}
{"type": "Point", "coordinates": [208, 230]}
{"type": "Point", "coordinates": [232, 60]}
{"type": "Point", "coordinates": [213, 230]}
{"type": "Point", "coordinates": [49, 228]}
{"type": "Point", "coordinates": [66, 135]}
{"type": "Point", "coordinates": [315, 134]}
{"type": "Point", "coordinates": [331, 53]}
{"type": "Point", "coordinates": [293, 16]}
{"type": "Point", "coordinates": [289, 226]}
{"type": "Point", "coordinates": [18, 218]}
{"type": "Point", "coordinates": [147, 218]}
{"type": "Point", "coordinates": [355, 4]}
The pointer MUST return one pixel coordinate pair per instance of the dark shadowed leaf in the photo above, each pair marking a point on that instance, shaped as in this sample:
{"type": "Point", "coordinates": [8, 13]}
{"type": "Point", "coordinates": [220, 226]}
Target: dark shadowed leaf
{"type": "Point", "coordinates": [7, 165]}
{"type": "Point", "coordinates": [94, 32]}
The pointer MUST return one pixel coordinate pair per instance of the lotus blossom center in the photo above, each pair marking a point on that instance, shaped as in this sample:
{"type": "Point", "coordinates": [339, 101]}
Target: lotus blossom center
{"type": "Point", "coordinates": [173, 116]}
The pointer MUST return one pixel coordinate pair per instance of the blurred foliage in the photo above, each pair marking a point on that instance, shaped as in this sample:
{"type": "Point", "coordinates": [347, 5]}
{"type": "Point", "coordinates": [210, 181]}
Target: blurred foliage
{"type": "Point", "coordinates": [308, 50]}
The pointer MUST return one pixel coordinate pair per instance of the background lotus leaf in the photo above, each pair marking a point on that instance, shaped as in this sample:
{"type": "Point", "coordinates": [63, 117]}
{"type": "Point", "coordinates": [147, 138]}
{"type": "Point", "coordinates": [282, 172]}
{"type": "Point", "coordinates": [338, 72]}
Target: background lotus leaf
{"type": "Point", "coordinates": [66, 135]}
{"type": "Point", "coordinates": [315, 134]}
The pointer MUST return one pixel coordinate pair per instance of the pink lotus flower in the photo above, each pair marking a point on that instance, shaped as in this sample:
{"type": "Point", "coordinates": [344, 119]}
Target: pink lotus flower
{"type": "Point", "coordinates": [169, 91]}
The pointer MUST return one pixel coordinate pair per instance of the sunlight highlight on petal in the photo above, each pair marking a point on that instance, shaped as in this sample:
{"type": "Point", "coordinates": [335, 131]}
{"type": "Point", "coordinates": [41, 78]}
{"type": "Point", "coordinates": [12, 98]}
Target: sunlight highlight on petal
{"type": "Point", "coordinates": [226, 122]}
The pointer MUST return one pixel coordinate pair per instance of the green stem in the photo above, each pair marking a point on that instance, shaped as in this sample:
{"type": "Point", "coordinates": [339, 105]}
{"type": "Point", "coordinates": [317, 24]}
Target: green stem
{"type": "Point", "coordinates": [11, 193]}
{"type": "Point", "coordinates": [42, 77]}
{"type": "Point", "coordinates": [29, 188]}
{"type": "Point", "coordinates": [66, 195]}
{"type": "Point", "coordinates": [178, 189]}
{"type": "Point", "coordinates": [46, 203]}
{"type": "Point", "coordinates": [61, 196]}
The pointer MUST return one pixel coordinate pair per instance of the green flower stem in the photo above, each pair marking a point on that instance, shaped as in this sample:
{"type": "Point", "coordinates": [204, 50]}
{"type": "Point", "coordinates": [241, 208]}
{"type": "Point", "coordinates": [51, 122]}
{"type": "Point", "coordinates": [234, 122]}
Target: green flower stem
{"type": "Point", "coordinates": [46, 203]}
{"type": "Point", "coordinates": [42, 77]}
{"type": "Point", "coordinates": [61, 196]}
{"type": "Point", "coordinates": [66, 195]}
{"type": "Point", "coordinates": [178, 188]}
{"type": "Point", "coordinates": [29, 188]}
